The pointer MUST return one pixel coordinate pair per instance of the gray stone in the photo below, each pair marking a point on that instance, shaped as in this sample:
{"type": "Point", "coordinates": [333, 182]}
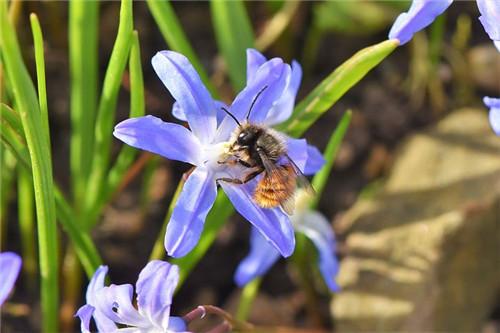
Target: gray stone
{"type": "Point", "coordinates": [423, 254]}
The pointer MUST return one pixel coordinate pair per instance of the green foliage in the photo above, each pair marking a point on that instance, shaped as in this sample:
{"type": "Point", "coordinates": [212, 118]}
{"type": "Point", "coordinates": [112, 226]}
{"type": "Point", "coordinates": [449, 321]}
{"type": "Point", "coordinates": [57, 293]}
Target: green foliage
{"type": "Point", "coordinates": [335, 86]}
{"type": "Point", "coordinates": [234, 35]}
{"type": "Point", "coordinates": [37, 139]}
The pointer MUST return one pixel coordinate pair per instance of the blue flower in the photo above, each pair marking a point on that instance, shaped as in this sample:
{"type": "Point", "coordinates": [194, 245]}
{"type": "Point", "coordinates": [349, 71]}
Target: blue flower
{"type": "Point", "coordinates": [10, 265]}
{"type": "Point", "coordinates": [494, 105]}
{"type": "Point", "coordinates": [424, 12]}
{"type": "Point", "coordinates": [207, 140]}
{"type": "Point", "coordinates": [314, 226]}
{"type": "Point", "coordinates": [113, 310]}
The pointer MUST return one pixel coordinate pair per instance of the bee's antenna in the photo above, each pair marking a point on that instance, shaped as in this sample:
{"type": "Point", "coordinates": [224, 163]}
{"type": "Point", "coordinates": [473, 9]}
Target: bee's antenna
{"type": "Point", "coordinates": [255, 100]}
{"type": "Point", "coordinates": [231, 115]}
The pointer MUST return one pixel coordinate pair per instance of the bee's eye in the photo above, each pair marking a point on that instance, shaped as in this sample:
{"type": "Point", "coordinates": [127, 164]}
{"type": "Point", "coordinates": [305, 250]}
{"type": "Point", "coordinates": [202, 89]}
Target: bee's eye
{"type": "Point", "coordinates": [244, 138]}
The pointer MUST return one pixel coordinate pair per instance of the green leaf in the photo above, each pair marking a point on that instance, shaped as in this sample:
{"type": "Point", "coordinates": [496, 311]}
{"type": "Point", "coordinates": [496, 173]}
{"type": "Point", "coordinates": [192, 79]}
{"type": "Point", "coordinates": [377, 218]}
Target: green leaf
{"type": "Point", "coordinates": [234, 35]}
{"type": "Point", "coordinates": [41, 166]}
{"type": "Point", "coordinates": [107, 107]}
{"type": "Point", "coordinates": [331, 89]}
{"type": "Point", "coordinates": [83, 63]}
{"type": "Point", "coordinates": [14, 140]}
{"type": "Point", "coordinates": [175, 37]}
{"type": "Point", "coordinates": [137, 109]}
{"type": "Point", "coordinates": [321, 177]}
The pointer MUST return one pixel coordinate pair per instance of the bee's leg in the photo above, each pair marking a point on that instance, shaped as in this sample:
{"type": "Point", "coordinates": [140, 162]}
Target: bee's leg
{"type": "Point", "coordinates": [244, 163]}
{"type": "Point", "coordinates": [245, 180]}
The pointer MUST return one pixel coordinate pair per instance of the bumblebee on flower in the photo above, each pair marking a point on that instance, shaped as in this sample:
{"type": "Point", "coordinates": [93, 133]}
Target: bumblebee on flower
{"type": "Point", "coordinates": [269, 95]}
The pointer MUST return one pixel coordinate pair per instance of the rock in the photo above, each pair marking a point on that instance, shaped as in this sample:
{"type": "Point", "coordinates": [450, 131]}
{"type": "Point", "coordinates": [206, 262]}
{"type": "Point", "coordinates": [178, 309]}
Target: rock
{"type": "Point", "coordinates": [423, 254]}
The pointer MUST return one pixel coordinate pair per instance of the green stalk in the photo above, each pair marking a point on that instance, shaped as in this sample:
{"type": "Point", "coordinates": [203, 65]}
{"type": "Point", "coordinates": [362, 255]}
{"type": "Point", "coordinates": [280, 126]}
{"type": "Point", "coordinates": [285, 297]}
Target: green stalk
{"type": "Point", "coordinates": [137, 109]}
{"type": "Point", "coordinates": [330, 153]}
{"type": "Point", "coordinates": [40, 155]}
{"type": "Point", "coordinates": [26, 212]}
{"type": "Point", "coordinates": [107, 110]}
{"type": "Point", "coordinates": [13, 138]}
{"type": "Point", "coordinates": [248, 295]}
{"type": "Point", "coordinates": [83, 63]}
{"type": "Point", "coordinates": [174, 36]}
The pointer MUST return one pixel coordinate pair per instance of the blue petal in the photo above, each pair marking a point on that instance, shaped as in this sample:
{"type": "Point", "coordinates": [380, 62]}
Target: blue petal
{"type": "Point", "coordinates": [273, 75]}
{"type": "Point", "coordinates": [188, 217]}
{"type": "Point", "coordinates": [177, 324]}
{"type": "Point", "coordinates": [169, 140]}
{"type": "Point", "coordinates": [85, 314]}
{"type": "Point", "coordinates": [10, 265]}
{"type": "Point", "coordinates": [261, 257]}
{"type": "Point", "coordinates": [421, 14]}
{"type": "Point", "coordinates": [255, 59]}
{"type": "Point", "coordinates": [497, 44]}
{"type": "Point", "coordinates": [494, 116]}
{"type": "Point", "coordinates": [155, 288]}
{"type": "Point", "coordinates": [273, 224]}
{"type": "Point", "coordinates": [317, 228]}
{"type": "Point", "coordinates": [490, 17]}
{"type": "Point", "coordinates": [315, 160]}
{"type": "Point", "coordinates": [283, 108]}
{"type": "Point", "coordinates": [297, 151]}
{"type": "Point", "coordinates": [96, 284]}
{"type": "Point", "coordinates": [179, 113]}
{"type": "Point", "coordinates": [115, 302]}
{"type": "Point", "coordinates": [184, 83]}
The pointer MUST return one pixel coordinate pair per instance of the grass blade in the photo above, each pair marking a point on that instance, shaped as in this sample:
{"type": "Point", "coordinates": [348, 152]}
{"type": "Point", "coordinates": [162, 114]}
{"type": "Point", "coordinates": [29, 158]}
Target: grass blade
{"type": "Point", "coordinates": [175, 37]}
{"type": "Point", "coordinates": [335, 86]}
{"type": "Point", "coordinates": [234, 35]}
{"type": "Point", "coordinates": [41, 166]}
{"type": "Point", "coordinates": [83, 63]}
{"type": "Point", "coordinates": [81, 240]}
{"type": "Point", "coordinates": [107, 106]}
{"type": "Point", "coordinates": [321, 177]}
{"type": "Point", "coordinates": [137, 109]}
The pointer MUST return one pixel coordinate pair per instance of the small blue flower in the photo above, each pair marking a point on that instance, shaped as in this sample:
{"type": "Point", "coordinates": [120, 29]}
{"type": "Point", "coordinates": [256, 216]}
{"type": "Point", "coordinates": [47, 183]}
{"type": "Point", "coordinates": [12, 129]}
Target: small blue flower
{"type": "Point", "coordinates": [207, 140]}
{"type": "Point", "coordinates": [424, 12]}
{"type": "Point", "coordinates": [10, 265]}
{"type": "Point", "coordinates": [315, 227]}
{"type": "Point", "coordinates": [494, 105]}
{"type": "Point", "coordinates": [111, 306]}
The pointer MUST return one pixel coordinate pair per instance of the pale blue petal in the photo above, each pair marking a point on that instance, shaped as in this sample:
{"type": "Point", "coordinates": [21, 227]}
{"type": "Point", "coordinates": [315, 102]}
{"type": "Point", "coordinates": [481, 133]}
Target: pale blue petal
{"type": "Point", "coordinates": [177, 324]}
{"type": "Point", "coordinates": [255, 59]}
{"type": "Point", "coordinates": [155, 288]}
{"type": "Point", "coordinates": [297, 151]}
{"type": "Point", "coordinates": [115, 302]}
{"type": "Point", "coordinates": [494, 105]}
{"type": "Point", "coordinates": [315, 160]}
{"type": "Point", "coordinates": [490, 17]}
{"type": "Point", "coordinates": [103, 323]}
{"type": "Point", "coordinates": [186, 224]}
{"type": "Point", "coordinates": [10, 265]}
{"type": "Point", "coordinates": [179, 113]}
{"type": "Point", "coordinates": [497, 44]}
{"type": "Point", "coordinates": [185, 85]}
{"type": "Point", "coordinates": [273, 224]}
{"type": "Point", "coordinates": [317, 228]}
{"type": "Point", "coordinates": [85, 314]}
{"type": "Point", "coordinates": [273, 75]}
{"type": "Point", "coordinates": [420, 15]}
{"type": "Point", "coordinates": [169, 140]}
{"type": "Point", "coordinates": [261, 257]}
{"type": "Point", "coordinates": [283, 108]}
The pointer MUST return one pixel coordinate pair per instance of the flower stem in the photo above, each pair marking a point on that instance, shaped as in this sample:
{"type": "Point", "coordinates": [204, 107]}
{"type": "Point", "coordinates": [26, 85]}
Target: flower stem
{"type": "Point", "coordinates": [248, 295]}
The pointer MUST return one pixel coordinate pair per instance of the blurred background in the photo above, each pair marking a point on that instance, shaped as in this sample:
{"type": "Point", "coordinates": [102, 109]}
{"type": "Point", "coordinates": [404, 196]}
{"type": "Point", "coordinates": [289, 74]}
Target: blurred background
{"type": "Point", "coordinates": [414, 194]}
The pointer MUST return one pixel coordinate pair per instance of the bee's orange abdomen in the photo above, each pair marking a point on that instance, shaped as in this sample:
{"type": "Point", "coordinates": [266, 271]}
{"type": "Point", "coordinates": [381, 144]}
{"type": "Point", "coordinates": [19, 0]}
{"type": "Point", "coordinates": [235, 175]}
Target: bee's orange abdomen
{"type": "Point", "coordinates": [276, 187]}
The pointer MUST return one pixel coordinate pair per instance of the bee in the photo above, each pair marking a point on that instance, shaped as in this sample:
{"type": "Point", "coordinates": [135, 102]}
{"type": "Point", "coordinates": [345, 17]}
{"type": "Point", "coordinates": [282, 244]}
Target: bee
{"type": "Point", "coordinates": [262, 150]}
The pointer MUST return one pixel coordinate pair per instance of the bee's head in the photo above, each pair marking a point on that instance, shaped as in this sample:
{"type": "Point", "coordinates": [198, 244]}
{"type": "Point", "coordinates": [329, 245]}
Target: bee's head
{"type": "Point", "coordinates": [247, 136]}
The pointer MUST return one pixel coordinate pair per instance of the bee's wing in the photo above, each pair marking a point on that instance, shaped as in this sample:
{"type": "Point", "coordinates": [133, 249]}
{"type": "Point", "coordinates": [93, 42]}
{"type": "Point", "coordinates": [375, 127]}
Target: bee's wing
{"type": "Point", "coordinates": [302, 181]}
